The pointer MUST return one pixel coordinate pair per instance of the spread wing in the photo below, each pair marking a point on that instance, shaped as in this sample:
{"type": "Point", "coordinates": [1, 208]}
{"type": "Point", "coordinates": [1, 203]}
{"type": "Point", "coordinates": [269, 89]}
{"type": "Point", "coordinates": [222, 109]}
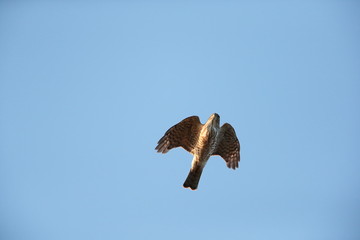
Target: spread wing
{"type": "Point", "coordinates": [228, 146]}
{"type": "Point", "coordinates": [184, 134]}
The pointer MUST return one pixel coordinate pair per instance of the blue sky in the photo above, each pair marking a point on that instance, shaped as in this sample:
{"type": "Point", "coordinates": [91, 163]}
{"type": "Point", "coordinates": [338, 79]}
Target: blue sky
{"type": "Point", "coordinates": [87, 90]}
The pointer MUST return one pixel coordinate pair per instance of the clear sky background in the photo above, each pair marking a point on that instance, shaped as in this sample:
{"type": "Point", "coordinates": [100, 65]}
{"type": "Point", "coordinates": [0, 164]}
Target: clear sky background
{"type": "Point", "coordinates": [88, 88]}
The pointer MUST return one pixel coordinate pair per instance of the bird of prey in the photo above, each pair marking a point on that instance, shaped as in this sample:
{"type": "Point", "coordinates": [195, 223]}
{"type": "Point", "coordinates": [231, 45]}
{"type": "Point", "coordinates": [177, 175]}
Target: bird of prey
{"type": "Point", "coordinates": [202, 141]}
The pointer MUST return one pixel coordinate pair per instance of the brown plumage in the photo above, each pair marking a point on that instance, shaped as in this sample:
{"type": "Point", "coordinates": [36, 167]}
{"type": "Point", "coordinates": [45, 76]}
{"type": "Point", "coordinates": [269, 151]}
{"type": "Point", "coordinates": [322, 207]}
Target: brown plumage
{"type": "Point", "coordinates": [203, 141]}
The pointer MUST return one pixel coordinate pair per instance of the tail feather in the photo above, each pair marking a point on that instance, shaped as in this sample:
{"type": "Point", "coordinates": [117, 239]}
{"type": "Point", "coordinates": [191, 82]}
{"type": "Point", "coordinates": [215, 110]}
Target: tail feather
{"type": "Point", "coordinates": [193, 178]}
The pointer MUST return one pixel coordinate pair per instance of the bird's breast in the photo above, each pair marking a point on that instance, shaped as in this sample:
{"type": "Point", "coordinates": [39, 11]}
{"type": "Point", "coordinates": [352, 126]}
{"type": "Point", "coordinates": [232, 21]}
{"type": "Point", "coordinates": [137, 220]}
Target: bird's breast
{"type": "Point", "coordinates": [206, 143]}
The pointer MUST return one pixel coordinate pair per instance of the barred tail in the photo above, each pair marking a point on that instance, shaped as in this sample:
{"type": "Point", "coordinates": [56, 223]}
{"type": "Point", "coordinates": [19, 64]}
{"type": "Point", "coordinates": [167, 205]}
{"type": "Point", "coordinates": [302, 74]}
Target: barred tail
{"type": "Point", "coordinates": [193, 178]}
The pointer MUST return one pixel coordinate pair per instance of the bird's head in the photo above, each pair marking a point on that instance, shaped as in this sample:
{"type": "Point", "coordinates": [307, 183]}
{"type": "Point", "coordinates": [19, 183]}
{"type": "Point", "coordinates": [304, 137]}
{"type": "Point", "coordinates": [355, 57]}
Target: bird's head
{"type": "Point", "coordinates": [214, 120]}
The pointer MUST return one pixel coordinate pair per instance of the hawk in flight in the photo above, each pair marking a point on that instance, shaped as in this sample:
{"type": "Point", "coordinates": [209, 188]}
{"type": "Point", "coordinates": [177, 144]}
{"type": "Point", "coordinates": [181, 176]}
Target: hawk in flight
{"type": "Point", "coordinates": [202, 141]}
